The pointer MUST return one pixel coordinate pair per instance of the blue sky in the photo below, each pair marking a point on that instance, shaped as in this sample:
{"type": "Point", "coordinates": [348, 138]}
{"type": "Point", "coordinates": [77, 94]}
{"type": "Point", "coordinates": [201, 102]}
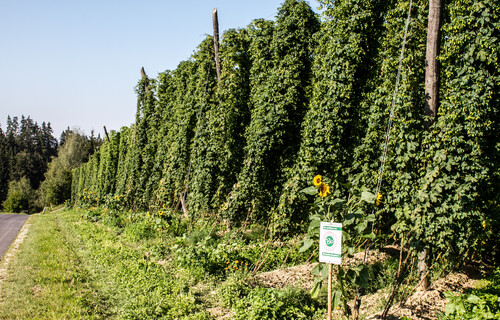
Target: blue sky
{"type": "Point", "coordinates": [76, 63]}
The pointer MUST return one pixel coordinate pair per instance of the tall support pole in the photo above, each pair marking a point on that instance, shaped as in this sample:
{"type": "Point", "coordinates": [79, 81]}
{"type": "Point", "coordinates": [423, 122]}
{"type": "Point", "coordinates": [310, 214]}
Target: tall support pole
{"type": "Point", "coordinates": [106, 132]}
{"type": "Point", "coordinates": [144, 76]}
{"type": "Point", "coordinates": [431, 100]}
{"type": "Point", "coordinates": [432, 64]}
{"type": "Point", "coordinates": [216, 42]}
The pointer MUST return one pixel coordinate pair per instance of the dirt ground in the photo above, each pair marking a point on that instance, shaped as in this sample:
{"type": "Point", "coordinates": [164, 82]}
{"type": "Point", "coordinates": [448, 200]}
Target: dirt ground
{"type": "Point", "coordinates": [424, 305]}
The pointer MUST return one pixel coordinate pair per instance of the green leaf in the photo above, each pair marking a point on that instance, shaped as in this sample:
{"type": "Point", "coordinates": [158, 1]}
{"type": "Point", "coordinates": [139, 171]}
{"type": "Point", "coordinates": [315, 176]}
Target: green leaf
{"type": "Point", "coordinates": [351, 250]}
{"type": "Point", "coordinates": [363, 277]}
{"type": "Point", "coordinates": [338, 201]}
{"type": "Point", "coordinates": [370, 235]}
{"type": "Point", "coordinates": [473, 299]}
{"type": "Point", "coordinates": [306, 245]}
{"type": "Point", "coordinates": [349, 219]}
{"type": "Point", "coordinates": [368, 197]}
{"type": "Point", "coordinates": [315, 224]}
{"type": "Point", "coordinates": [336, 296]}
{"type": "Point", "coordinates": [362, 226]}
{"type": "Point", "coordinates": [316, 271]}
{"type": "Point", "coordinates": [316, 288]}
{"type": "Point", "coordinates": [310, 190]}
{"type": "Point", "coordinates": [315, 217]}
{"type": "Point", "coordinates": [324, 271]}
{"type": "Point", "coordinates": [371, 218]}
{"type": "Point", "coordinates": [449, 308]}
{"type": "Point", "coordinates": [345, 236]}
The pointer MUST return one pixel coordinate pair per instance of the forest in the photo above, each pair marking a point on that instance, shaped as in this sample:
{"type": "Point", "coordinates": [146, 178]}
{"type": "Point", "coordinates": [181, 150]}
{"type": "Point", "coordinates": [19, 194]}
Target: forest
{"type": "Point", "coordinates": [33, 174]}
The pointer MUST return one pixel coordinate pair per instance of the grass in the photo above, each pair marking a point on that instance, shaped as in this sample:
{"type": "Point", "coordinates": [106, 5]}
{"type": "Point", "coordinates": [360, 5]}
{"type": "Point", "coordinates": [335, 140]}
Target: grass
{"type": "Point", "coordinates": [46, 280]}
{"type": "Point", "coordinates": [69, 268]}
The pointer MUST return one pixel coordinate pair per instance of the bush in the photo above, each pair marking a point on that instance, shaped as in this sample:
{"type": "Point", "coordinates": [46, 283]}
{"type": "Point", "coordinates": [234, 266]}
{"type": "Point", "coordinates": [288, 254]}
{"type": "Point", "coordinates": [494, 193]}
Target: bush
{"type": "Point", "coordinates": [20, 197]}
{"type": "Point", "coordinates": [481, 303]}
{"type": "Point", "coordinates": [233, 289]}
{"type": "Point", "coordinates": [270, 303]}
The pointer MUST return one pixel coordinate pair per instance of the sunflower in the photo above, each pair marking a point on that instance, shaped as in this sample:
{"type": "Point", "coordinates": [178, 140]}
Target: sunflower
{"type": "Point", "coordinates": [324, 190]}
{"type": "Point", "coordinates": [379, 197]}
{"type": "Point", "coordinates": [317, 180]}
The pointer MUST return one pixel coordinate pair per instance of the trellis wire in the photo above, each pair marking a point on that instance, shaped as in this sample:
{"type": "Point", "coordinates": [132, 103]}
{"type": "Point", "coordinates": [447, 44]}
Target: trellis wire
{"type": "Point", "coordinates": [389, 127]}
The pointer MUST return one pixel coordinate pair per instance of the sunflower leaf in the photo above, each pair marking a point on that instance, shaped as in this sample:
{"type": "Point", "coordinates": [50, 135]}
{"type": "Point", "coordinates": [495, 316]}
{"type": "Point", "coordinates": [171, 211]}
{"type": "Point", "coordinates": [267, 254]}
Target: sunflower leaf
{"type": "Point", "coordinates": [310, 190]}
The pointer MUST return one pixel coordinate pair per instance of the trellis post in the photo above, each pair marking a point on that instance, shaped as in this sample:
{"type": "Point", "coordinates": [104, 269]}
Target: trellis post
{"type": "Point", "coordinates": [216, 43]}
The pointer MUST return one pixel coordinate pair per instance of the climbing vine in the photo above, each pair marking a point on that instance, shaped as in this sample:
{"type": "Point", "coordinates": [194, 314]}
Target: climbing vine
{"type": "Point", "coordinates": [455, 209]}
{"type": "Point", "coordinates": [300, 97]}
{"type": "Point", "coordinates": [280, 81]}
{"type": "Point", "coordinates": [344, 64]}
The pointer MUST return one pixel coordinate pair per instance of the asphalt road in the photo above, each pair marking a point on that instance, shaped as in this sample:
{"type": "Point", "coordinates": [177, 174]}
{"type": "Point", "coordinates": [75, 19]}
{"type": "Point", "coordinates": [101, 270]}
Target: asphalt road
{"type": "Point", "coordinates": [10, 224]}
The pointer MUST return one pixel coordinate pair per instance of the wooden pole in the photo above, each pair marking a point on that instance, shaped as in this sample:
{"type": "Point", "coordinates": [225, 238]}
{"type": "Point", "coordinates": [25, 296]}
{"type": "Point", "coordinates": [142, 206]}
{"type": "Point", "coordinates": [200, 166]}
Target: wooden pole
{"type": "Point", "coordinates": [329, 316]}
{"type": "Point", "coordinates": [216, 42]}
{"type": "Point", "coordinates": [431, 100]}
{"type": "Point", "coordinates": [106, 132]}
{"type": "Point", "coordinates": [432, 64]}
{"type": "Point", "coordinates": [144, 76]}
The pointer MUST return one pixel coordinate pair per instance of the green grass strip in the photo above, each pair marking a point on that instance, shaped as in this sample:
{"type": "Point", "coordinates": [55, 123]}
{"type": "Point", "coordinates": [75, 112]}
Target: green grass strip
{"type": "Point", "coordinates": [70, 268]}
{"type": "Point", "coordinates": [46, 280]}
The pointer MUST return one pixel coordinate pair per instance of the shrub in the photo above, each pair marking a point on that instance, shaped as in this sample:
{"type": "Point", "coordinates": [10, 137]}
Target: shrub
{"type": "Point", "coordinates": [481, 303]}
{"type": "Point", "coordinates": [270, 303]}
{"type": "Point", "coordinates": [20, 196]}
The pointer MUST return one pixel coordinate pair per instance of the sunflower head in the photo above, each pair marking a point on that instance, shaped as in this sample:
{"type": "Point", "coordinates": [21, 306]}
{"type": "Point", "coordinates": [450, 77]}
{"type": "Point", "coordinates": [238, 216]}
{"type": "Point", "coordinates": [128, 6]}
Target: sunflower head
{"type": "Point", "coordinates": [317, 181]}
{"type": "Point", "coordinates": [379, 198]}
{"type": "Point", "coordinates": [324, 190]}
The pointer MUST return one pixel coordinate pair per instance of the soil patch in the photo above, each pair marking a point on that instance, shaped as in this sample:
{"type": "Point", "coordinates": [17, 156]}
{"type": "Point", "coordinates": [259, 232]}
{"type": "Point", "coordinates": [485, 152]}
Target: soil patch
{"type": "Point", "coordinates": [300, 276]}
{"type": "Point", "coordinates": [425, 305]}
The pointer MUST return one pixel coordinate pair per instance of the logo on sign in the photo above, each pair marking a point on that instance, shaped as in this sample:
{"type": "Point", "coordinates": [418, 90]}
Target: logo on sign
{"type": "Point", "coordinates": [329, 241]}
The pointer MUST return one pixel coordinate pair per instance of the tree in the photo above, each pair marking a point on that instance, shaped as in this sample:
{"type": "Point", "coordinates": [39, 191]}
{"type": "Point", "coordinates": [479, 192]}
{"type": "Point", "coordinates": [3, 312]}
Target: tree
{"type": "Point", "coordinates": [4, 165]}
{"type": "Point", "coordinates": [25, 150]}
{"type": "Point", "coordinates": [56, 188]}
{"type": "Point", "coordinates": [20, 197]}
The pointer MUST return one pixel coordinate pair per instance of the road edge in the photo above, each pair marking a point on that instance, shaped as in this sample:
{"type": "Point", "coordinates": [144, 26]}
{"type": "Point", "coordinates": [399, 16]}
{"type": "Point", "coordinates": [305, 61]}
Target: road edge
{"type": "Point", "coordinates": [13, 248]}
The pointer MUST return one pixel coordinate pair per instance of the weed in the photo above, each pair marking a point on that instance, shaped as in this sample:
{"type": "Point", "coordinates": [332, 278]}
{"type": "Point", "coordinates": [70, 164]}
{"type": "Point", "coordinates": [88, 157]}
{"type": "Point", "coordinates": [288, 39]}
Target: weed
{"type": "Point", "coordinates": [479, 303]}
{"type": "Point", "coordinates": [233, 289]}
{"type": "Point", "coordinates": [270, 303]}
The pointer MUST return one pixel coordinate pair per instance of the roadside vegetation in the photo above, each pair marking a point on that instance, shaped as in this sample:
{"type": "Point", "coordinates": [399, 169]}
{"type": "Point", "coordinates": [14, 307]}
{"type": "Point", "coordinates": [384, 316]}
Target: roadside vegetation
{"type": "Point", "coordinates": [98, 263]}
{"type": "Point", "coordinates": [93, 264]}
{"type": "Point", "coordinates": [46, 279]}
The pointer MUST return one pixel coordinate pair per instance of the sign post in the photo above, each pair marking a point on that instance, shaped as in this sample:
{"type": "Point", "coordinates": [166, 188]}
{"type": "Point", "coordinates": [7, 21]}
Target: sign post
{"type": "Point", "coordinates": [330, 251]}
